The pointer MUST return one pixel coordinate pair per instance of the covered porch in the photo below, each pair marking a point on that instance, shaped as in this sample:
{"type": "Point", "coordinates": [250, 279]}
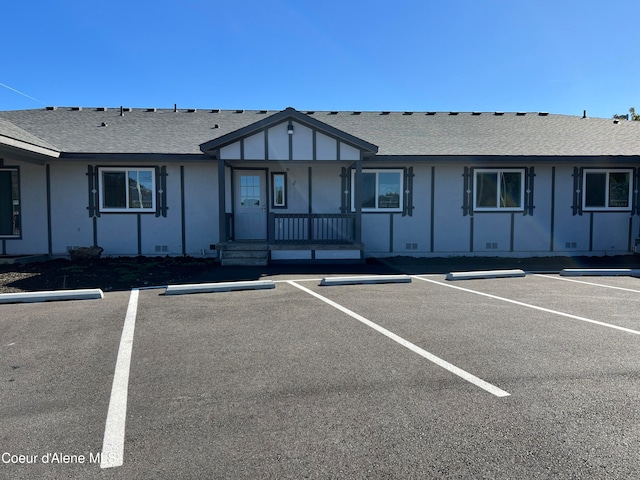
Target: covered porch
{"type": "Point", "coordinates": [295, 237]}
{"type": "Point", "coordinates": [288, 190]}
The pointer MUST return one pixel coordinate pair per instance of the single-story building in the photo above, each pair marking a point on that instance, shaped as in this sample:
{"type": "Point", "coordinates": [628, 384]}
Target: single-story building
{"type": "Point", "coordinates": [254, 186]}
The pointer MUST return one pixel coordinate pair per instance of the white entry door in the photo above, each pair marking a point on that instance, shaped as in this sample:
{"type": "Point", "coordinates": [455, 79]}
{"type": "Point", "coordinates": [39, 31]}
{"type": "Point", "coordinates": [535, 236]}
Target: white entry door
{"type": "Point", "coordinates": [250, 205]}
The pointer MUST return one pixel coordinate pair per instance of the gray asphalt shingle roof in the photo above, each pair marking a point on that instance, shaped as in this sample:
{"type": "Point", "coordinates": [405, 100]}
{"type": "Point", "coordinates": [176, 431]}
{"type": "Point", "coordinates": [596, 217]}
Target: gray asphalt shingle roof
{"type": "Point", "coordinates": [10, 130]}
{"type": "Point", "coordinates": [395, 133]}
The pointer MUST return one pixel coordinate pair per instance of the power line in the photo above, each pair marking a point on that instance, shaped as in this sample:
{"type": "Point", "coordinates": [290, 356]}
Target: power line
{"type": "Point", "coordinates": [21, 93]}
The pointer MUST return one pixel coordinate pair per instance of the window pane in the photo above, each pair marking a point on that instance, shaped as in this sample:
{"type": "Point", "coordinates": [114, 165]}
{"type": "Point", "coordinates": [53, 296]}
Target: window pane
{"type": "Point", "coordinates": [278, 190]}
{"type": "Point", "coordinates": [140, 189]}
{"type": "Point", "coordinates": [114, 186]}
{"type": "Point", "coordinates": [595, 189]}
{"type": "Point", "coordinates": [619, 189]}
{"type": "Point", "coordinates": [510, 189]}
{"type": "Point", "coordinates": [368, 190]}
{"type": "Point", "coordinates": [388, 190]}
{"type": "Point", "coordinates": [486, 189]}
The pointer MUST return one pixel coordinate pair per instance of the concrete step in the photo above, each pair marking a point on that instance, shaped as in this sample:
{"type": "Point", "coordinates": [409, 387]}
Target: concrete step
{"type": "Point", "coordinates": [245, 246]}
{"type": "Point", "coordinates": [244, 262]}
{"type": "Point", "coordinates": [245, 254]}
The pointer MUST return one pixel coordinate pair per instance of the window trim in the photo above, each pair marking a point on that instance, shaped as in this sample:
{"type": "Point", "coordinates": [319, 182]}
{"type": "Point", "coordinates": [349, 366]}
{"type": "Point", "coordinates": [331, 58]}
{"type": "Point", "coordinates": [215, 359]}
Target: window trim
{"type": "Point", "coordinates": [274, 175]}
{"type": "Point", "coordinates": [607, 172]}
{"type": "Point", "coordinates": [498, 171]}
{"type": "Point", "coordinates": [377, 171]}
{"type": "Point", "coordinates": [126, 170]}
{"type": "Point", "coordinates": [6, 168]}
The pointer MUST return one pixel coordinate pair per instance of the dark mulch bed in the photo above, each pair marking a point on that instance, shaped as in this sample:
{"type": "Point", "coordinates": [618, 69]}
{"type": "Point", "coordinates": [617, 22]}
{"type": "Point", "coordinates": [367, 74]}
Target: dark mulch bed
{"type": "Point", "coordinates": [117, 273]}
{"type": "Point", "coordinates": [123, 273]}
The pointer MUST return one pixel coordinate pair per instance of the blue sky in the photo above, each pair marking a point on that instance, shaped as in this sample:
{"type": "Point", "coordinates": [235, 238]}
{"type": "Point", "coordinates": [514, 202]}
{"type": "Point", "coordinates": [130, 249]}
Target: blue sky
{"type": "Point", "coordinates": [558, 56]}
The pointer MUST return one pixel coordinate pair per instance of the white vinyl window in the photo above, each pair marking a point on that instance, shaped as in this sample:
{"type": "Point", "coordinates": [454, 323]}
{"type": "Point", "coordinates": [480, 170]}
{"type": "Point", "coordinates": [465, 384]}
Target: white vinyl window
{"type": "Point", "coordinates": [127, 189]}
{"type": "Point", "coordinates": [498, 190]}
{"type": "Point", "coordinates": [607, 190]}
{"type": "Point", "coordinates": [381, 190]}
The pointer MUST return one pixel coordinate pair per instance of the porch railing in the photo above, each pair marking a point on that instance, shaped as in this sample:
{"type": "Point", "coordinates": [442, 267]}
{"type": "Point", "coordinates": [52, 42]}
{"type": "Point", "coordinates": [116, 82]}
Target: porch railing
{"type": "Point", "coordinates": [312, 227]}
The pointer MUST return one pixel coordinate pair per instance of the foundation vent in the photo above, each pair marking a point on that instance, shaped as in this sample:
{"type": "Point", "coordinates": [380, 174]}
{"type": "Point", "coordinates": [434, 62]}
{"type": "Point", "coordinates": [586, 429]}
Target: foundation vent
{"type": "Point", "coordinates": [161, 248]}
{"type": "Point", "coordinates": [492, 246]}
{"type": "Point", "coordinates": [569, 245]}
{"type": "Point", "coordinates": [411, 246]}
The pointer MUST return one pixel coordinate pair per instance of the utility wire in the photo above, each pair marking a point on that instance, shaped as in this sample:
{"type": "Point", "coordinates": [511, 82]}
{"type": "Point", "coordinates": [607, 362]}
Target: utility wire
{"type": "Point", "coordinates": [23, 94]}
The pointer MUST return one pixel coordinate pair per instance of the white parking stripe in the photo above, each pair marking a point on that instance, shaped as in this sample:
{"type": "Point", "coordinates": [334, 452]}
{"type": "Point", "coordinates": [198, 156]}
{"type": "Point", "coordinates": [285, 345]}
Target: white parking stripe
{"type": "Point", "coordinates": [587, 283]}
{"type": "Point", "coordinates": [113, 442]}
{"type": "Point", "coordinates": [535, 307]}
{"type": "Point", "coordinates": [414, 348]}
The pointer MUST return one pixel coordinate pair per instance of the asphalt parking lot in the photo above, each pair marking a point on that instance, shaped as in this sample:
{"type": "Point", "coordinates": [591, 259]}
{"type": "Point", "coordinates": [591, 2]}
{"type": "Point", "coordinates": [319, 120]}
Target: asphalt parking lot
{"type": "Point", "coordinates": [531, 377]}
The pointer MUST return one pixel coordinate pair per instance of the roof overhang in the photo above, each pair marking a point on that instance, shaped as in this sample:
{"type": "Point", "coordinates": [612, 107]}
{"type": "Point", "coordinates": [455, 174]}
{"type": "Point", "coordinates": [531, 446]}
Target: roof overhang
{"type": "Point", "coordinates": [28, 151]}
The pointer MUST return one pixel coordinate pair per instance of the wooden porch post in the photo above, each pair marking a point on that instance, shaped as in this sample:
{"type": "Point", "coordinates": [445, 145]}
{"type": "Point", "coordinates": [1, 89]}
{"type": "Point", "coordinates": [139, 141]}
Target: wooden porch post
{"type": "Point", "coordinates": [357, 199]}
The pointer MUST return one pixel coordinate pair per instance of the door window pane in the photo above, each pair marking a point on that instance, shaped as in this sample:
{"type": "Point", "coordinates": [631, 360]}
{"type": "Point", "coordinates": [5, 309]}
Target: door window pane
{"type": "Point", "coordinates": [250, 191]}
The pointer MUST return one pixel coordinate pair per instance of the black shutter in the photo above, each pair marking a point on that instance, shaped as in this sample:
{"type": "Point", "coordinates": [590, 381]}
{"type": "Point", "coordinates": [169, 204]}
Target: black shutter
{"type": "Point", "coordinates": [161, 192]}
{"type": "Point", "coordinates": [635, 207]}
{"type": "Point", "coordinates": [408, 192]}
{"type": "Point", "coordinates": [528, 197]}
{"type": "Point", "coordinates": [94, 199]}
{"type": "Point", "coordinates": [577, 191]}
{"type": "Point", "coordinates": [345, 194]}
{"type": "Point", "coordinates": [467, 193]}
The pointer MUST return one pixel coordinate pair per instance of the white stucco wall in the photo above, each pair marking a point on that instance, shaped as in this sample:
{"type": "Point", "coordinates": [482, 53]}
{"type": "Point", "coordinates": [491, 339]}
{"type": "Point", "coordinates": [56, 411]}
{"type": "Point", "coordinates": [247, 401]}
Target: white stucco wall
{"type": "Point", "coordinates": [33, 201]}
{"type": "Point", "coordinates": [201, 208]}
